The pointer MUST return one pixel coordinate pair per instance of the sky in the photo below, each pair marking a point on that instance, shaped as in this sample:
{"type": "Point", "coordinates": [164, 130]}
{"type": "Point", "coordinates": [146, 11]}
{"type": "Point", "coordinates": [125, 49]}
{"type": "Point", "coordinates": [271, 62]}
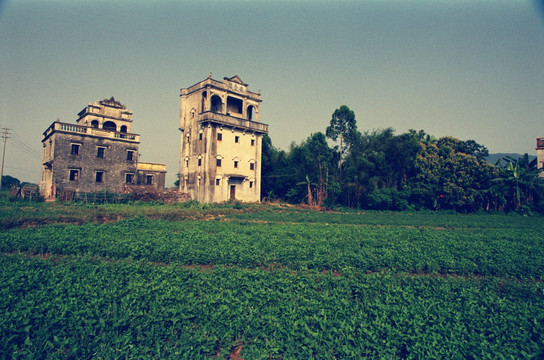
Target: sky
{"type": "Point", "coordinates": [471, 69]}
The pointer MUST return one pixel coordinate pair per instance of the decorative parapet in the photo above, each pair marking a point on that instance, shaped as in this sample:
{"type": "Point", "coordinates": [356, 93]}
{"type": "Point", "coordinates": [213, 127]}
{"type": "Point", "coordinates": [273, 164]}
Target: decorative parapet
{"type": "Point", "coordinates": [151, 167]}
{"type": "Point", "coordinates": [232, 121]}
{"type": "Point", "coordinates": [79, 129]}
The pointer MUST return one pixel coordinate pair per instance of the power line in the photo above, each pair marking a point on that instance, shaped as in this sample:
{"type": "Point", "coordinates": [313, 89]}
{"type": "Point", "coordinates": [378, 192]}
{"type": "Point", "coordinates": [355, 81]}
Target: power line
{"type": "Point", "coordinates": [24, 145]}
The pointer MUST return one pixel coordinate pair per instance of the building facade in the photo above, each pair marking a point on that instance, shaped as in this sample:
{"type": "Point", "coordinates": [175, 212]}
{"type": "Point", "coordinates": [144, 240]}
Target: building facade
{"type": "Point", "coordinates": [221, 141]}
{"type": "Point", "coordinates": [540, 154]}
{"type": "Point", "coordinates": [98, 153]}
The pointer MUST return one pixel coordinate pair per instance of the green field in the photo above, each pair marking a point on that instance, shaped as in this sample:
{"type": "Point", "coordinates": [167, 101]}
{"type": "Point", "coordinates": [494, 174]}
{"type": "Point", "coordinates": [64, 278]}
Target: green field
{"type": "Point", "coordinates": [189, 281]}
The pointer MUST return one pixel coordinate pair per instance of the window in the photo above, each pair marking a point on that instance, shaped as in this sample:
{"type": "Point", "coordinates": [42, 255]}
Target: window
{"type": "Point", "coordinates": [200, 136]}
{"type": "Point", "coordinates": [237, 139]}
{"type": "Point", "coordinates": [99, 177]}
{"type": "Point", "coordinates": [251, 184]}
{"type": "Point", "coordinates": [235, 164]}
{"type": "Point", "coordinates": [149, 179]}
{"type": "Point", "coordinates": [217, 182]}
{"type": "Point", "coordinates": [199, 162]}
{"type": "Point", "coordinates": [74, 175]}
{"type": "Point", "coordinates": [219, 136]}
{"type": "Point", "coordinates": [218, 162]}
{"type": "Point", "coordinates": [251, 166]}
{"type": "Point", "coordinates": [129, 178]}
{"type": "Point", "coordinates": [75, 149]}
{"type": "Point", "coordinates": [252, 142]}
{"type": "Point", "coordinates": [130, 155]}
{"type": "Point", "coordinates": [100, 152]}
{"type": "Point", "coordinates": [186, 162]}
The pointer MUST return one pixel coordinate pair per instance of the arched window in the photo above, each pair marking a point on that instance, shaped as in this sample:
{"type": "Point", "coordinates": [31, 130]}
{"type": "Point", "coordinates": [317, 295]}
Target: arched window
{"type": "Point", "coordinates": [250, 112]}
{"type": "Point", "coordinates": [94, 124]}
{"type": "Point", "coordinates": [217, 105]}
{"type": "Point", "coordinates": [203, 103]}
{"type": "Point", "coordinates": [109, 125]}
{"type": "Point", "coordinates": [124, 128]}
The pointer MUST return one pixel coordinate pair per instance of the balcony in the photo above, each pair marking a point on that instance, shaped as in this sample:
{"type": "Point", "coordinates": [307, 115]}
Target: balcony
{"type": "Point", "coordinates": [232, 121]}
{"type": "Point", "coordinates": [78, 129]}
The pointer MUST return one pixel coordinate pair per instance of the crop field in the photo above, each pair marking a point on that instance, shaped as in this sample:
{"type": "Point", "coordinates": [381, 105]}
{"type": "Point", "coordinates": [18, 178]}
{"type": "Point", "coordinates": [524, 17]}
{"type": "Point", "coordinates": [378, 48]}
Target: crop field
{"type": "Point", "coordinates": [189, 281]}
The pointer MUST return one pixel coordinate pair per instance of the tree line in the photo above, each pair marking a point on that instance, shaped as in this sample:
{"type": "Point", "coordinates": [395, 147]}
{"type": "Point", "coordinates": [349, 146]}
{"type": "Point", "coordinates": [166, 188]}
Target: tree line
{"type": "Point", "coordinates": [384, 171]}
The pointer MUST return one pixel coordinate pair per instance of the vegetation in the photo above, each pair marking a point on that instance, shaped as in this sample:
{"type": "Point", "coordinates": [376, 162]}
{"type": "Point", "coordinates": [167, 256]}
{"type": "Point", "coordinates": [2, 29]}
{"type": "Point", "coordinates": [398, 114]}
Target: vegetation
{"type": "Point", "coordinates": [411, 171]}
{"type": "Point", "coordinates": [267, 281]}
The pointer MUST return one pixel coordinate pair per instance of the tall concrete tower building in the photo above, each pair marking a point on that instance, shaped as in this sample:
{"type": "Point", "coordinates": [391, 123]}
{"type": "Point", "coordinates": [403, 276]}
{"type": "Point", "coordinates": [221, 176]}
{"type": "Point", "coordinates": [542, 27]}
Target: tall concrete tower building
{"type": "Point", "coordinates": [221, 141]}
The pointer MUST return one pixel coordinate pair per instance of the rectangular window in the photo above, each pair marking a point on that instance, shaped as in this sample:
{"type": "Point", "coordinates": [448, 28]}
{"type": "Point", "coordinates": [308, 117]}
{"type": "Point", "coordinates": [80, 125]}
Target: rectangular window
{"type": "Point", "coordinates": [75, 149]}
{"type": "Point", "coordinates": [251, 166]}
{"type": "Point", "coordinates": [199, 162]}
{"type": "Point", "coordinates": [130, 155]}
{"type": "Point", "coordinates": [219, 136]}
{"type": "Point", "coordinates": [236, 164]}
{"type": "Point", "coordinates": [99, 177]}
{"type": "Point", "coordinates": [200, 136]}
{"type": "Point", "coordinates": [129, 178]}
{"type": "Point", "coordinates": [74, 175]}
{"type": "Point", "coordinates": [218, 162]}
{"type": "Point", "coordinates": [251, 184]}
{"type": "Point", "coordinates": [186, 162]}
{"type": "Point", "coordinates": [237, 139]}
{"type": "Point", "coordinates": [100, 152]}
{"type": "Point", "coordinates": [217, 182]}
{"type": "Point", "coordinates": [252, 142]}
{"type": "Point", "coordinates": [149, 179]}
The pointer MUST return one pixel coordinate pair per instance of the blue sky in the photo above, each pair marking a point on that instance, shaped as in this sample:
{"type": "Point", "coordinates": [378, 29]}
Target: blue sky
{"type": "Point", "coordinates": [469, 69]}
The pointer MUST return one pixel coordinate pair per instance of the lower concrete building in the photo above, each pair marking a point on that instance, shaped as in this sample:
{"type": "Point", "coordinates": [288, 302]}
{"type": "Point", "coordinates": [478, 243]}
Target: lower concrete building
{"type": "Point", "coordinates": [97, 154]}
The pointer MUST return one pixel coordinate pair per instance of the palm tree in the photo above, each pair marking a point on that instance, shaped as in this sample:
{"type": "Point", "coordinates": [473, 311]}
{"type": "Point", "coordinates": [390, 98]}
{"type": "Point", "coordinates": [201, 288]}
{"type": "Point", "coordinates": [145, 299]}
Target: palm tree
{"type": "Point", "coordinates": [520, 182]}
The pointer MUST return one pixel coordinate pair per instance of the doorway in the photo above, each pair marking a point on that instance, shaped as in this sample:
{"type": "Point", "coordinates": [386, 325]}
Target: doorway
{"type": "Point", "coordinates": [233, 192]}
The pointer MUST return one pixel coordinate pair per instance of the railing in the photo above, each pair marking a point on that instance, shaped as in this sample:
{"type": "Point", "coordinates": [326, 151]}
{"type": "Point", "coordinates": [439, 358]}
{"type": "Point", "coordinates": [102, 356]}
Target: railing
{"type": "Point", "coordinates": [229, 120]}
{"type": "Point", "coordinates": [58, 126]}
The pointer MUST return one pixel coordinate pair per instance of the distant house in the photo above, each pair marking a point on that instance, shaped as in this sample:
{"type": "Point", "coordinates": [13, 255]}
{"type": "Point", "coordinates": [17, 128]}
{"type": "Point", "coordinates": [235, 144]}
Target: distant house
{"type": "Point", "coordinates": [98, 153]}
{"type": "Point", "coordinates": [540, 154]}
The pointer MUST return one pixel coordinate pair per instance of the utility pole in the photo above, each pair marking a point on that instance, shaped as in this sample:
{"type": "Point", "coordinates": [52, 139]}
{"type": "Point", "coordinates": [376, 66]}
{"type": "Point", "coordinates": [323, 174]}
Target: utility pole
{"type": "Point", "coordinates": [5, 137]}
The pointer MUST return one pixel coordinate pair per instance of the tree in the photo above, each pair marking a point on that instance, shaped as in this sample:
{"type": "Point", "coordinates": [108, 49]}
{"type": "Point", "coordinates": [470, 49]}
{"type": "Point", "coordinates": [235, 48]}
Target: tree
{"type": "Point", "coordinates": [520, 182]}
{"type": "Point", "coordinates": [343, 126]}
{"type": "Point", "coordinates": [9, 181]}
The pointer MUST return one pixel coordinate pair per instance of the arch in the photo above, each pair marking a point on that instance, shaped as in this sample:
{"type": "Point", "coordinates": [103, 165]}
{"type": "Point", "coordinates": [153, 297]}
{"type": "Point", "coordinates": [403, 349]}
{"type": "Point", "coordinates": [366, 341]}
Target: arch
{"type": "Point", "coordinates": [123, 129]}
{"type": "Point", "coordinates": [250, 111]}
{"type": "Point", "coordinates": [217, 104]}
{"type": "Point", "coordinates": [109, 125]}
{"type": "Point", "coordinates": [203, 102]}
{"type": "Point", "coordinates": [94, 124]}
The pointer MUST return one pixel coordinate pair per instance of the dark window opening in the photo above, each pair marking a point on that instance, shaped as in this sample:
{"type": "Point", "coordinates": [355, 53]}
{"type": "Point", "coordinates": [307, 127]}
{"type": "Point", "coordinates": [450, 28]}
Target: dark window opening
{"type": "Point", "coordinates": [218, 162]}
{"type": "Point", "coordinates": [109, 125]}
{"type": "Point", "coordinates": [149, 179]}
{"type": "Point", "coordinates": [252, 142]}
{"type": "Point", "coordinates": [186, 162]}
{"type": "Point", "coordinates": [236, 164]}
{"type": "Point", "coordinates": [203, 103]}
{"type": "Point", "coordinates": [124, 128]}
{"type": "Point", "coordinates": [129, 178]}
{"type": "Point", "coordinates": [234, 105]}
{"type": "Point", "coordinates": [200, 136]}
{"type": "Point", "coordinates": [94, 124]}
{"type": "Point", "coordinates": [199, 162]}
{"type": "Point", "coordinates": [100, 152]}
{"type": "Point", "coordinates": [250, 184]}
{"type": "Point", "coordinates": [219, 136]}
{"type": "Point", "coordinates": [75, 149]}
{"type": "Point", "coordinates": [74, 175]}
{"type": "Point", "coordinates": [251, 166]}
{"type": "Point", "coordinates": [130, 155]}
{"type": "Point", "coordinates": [216, 105]}
{"type": "Point", "coordinates": [99, 177]}
{"type": "Point", "coordinates": [217, 182]}
{"type": "Point", "coordinates": [237, 139]}
{"type": "Point", "coordinates": [250, 113]}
